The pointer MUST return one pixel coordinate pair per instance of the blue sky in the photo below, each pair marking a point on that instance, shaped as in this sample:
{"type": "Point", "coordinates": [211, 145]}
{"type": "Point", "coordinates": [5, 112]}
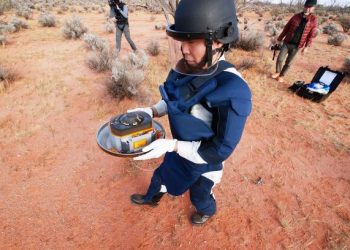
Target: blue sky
{"type": "Point", "coordinates": [323, 2]}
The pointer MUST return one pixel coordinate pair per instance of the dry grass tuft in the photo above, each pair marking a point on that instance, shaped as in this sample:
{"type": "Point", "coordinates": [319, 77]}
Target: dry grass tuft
{"type": "Point", "coordinates": [153, 48]}
{"type": "Point", "coordinates": [250, 41]}
{"type": "Point", "coordinates": [246, 63]}
{"type": "Point", "coordinates": [3, 40]}
{"type": "Point", "coordinates": [101, 60]}
{"type": "Point", "coordinates": [7, 76]}
{"type": "Point", "coordinates": [109, 28]}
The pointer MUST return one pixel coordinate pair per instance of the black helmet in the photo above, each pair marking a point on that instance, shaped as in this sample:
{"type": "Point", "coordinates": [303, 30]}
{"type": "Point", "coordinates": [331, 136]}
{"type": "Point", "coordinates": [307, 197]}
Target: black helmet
{"type": "Point", "coordinates": [207, 19]}
{"type": "Point", "coordinates": [310, 3]}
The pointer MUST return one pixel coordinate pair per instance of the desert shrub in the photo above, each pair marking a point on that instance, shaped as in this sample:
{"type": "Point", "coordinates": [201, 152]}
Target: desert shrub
{"type": "Point", "coordinates": [73, 28]}
{"type": "Point", "coordinates": [7, 76]}
{"type": "Point", "coordinates": [153, 48]}
{"type": "Point", "coordinates": [100, 60]}
{"type": "Point", "coordinates": [94, 42]}
{"type": "Point", "coordinates": [9, 28]}
{"type": "Point", "coordinates": [138, 59]}
{"type": "Point", "coordinates": [330, 29]}
{"type": "Point", "coordinates": [18, 24]}
{"type": "Point", "coordinates": [25, 12]}
{"type": "Point", "coordinates": [270, 29]}
{"type": "Point", "coordinates": [3, 28]}
{"type": "Point", "coordinates": [249, 41]}
{"type": "Point", "coordinates": [125, 81]}
{"type": "Point", "coordinates": [39, 8]}
{"type": "Point", "coordinates": [64, 8]}
{"type": "Point", "coordinates": [5, 5]}
{"type": "Point", "coordinates": [3, 40]}
{"type": "Point", "coordinates": [346, 66]}
{"type": "Point", "coordinates": [47, 20]}
{"type": "Point", "coordinates": [109, 28]}
{"type": "Point", "coordinates": [127, 74]}
{"type": "Point", "coordinates": [280, 24]}
{"type": "Point", "coordinates": [159, 26]}
{"type": "Point", "coordinates": [336, 40]}
{"type": "Point", "coordinates": [322, 20]}
{"type": "Point", "coordinates": [345, 23]}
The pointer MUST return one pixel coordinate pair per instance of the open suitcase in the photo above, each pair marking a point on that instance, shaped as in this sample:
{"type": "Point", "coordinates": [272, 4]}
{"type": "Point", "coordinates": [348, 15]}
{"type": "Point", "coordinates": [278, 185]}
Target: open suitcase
{"type": "Point", "coordinates": [322, 85]}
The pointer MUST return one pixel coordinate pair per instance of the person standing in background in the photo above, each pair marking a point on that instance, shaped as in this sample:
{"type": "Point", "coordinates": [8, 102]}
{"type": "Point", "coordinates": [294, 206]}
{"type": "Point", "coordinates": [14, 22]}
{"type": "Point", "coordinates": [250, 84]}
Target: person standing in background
{"type": "Point", "coordinates": [119, 11]}
{"type": "Point", "coordinates": [297, 34]}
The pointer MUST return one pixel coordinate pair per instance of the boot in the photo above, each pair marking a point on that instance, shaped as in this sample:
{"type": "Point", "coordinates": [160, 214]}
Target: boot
{"type": "Point", "coordinates": [138, 199]}
{"type": "Point", "coordinates": [199, 218]}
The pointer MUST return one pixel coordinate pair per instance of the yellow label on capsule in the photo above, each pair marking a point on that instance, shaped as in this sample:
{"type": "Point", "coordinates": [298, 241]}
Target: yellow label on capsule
{"type": "Point", "coordinates": [140, 143]}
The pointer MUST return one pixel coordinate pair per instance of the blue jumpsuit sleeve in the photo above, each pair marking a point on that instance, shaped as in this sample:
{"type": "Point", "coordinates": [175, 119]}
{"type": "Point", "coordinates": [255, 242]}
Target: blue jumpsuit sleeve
{"type": "Point", "coordinates": [231, 115]}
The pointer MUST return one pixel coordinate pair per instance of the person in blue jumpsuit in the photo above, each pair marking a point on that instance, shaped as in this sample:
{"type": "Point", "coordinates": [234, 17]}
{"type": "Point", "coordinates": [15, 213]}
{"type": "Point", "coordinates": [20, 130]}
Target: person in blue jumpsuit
{"type": "Point", "coordinates": [207, 102]}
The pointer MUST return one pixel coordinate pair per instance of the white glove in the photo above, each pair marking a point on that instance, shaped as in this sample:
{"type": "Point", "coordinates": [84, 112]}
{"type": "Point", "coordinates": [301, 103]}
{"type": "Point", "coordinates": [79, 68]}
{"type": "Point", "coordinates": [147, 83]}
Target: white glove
{"type": "Point", "coordinates": [157, 149]}
{"type": "Point", "coordinates": [147, 110]}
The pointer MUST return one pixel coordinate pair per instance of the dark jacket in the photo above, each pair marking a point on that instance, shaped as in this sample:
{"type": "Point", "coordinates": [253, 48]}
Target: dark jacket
{"type": "Point", "coordinates": [119, 16]}
{"type": "Point", "coordinates": [309, 30]}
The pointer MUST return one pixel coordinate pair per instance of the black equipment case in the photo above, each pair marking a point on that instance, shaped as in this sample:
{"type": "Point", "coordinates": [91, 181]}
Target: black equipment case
{"type": "Point", "coordinates": [324, 75]}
